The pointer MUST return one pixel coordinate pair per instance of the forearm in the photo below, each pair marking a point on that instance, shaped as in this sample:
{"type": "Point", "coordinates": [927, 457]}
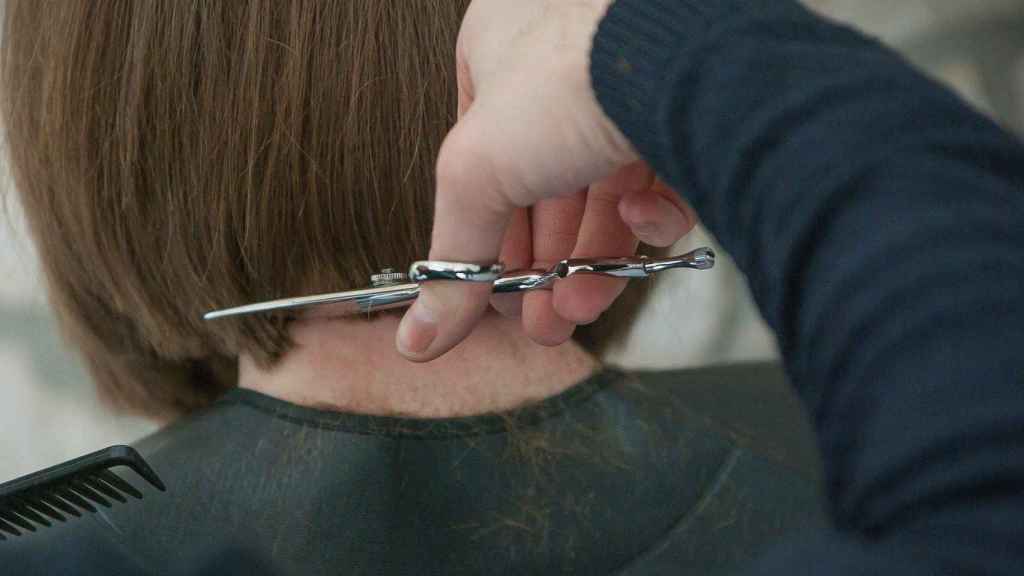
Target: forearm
{"type": "Point", "coordinates": [881, 225]}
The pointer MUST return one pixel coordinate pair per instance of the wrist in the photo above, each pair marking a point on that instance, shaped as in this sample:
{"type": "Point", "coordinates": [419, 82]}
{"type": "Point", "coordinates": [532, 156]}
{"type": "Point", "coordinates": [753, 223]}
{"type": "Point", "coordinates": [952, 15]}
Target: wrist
{"type": "Point", "coordinates": [612, 141]}
{"type": "Point", "coordinates": [642, 48]}
{"type": "Point", "coordinates": [635, 45]}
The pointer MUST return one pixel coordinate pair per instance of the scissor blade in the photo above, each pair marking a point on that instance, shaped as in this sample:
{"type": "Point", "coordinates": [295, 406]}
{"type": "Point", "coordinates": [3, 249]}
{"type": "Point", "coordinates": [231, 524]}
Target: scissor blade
{"type": "Point", "coordinates": [334, 304]}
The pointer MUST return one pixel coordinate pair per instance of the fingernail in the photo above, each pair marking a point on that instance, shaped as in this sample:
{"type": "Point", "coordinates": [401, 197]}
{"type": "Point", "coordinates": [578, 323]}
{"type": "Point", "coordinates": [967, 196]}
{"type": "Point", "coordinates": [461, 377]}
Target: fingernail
{"type": "Point", "coordinates": [418, 329]}
{"type": "Point", "coordinates": [508, 305]}
{"type": "Point", "coordinates": [645, 230]}
{"type": "Point", "coordinates": [671, 224]}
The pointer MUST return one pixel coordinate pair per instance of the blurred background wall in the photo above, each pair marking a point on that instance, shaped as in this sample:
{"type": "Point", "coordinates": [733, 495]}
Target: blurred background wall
{"type": "Point", "coordinates": [49, 412]}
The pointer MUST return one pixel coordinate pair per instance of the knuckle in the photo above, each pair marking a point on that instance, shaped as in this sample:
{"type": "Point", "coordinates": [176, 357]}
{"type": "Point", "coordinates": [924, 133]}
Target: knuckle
{"type": "Point", "coordinates": [456, 160]}
{"type": "Point", "coordinates": [465, 165]}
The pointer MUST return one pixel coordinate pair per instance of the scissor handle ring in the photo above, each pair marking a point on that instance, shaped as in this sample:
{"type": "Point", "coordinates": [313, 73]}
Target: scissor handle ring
{"type": "Point", "coordinates": [430, 270]}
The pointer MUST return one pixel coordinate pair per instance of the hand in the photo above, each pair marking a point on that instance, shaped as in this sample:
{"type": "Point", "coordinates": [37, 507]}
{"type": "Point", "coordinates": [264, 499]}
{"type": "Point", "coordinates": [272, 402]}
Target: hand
{"type": "Point", "coordinates": [533, 172]}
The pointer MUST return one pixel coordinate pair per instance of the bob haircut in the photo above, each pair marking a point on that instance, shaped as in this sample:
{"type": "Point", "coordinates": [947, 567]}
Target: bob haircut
{"type": "Point", "coordinates": [177, 157]}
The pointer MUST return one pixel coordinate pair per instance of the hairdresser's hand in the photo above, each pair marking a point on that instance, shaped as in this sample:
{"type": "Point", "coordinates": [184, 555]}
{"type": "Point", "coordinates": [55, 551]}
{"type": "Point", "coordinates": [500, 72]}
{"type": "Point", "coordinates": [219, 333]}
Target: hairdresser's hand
{"type": "Point", "coordinates": [534, 172]}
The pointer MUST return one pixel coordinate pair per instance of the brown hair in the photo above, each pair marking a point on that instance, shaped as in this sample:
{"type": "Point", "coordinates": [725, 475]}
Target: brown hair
{"type": "Point", "coordinates": [176, 157]}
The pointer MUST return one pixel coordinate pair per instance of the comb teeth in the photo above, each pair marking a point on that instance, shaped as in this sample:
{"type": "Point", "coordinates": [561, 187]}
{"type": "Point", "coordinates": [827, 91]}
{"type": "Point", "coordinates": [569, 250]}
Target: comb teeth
{"type": "Point", "coordinates": [62, 492]}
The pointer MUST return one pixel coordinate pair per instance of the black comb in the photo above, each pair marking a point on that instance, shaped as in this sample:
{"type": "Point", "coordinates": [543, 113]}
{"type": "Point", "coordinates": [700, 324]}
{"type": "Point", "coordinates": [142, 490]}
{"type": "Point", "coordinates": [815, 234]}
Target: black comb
{"type": "Point", "coordinates": [63, 491]}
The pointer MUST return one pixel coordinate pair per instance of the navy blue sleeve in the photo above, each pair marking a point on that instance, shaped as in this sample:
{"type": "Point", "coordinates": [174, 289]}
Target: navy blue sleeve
{"type": "Point", "coordinates": [880, 222]}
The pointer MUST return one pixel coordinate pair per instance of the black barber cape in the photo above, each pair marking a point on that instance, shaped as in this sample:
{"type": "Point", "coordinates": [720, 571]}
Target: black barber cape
{"type": "Point", "coordinates": [658, 473]}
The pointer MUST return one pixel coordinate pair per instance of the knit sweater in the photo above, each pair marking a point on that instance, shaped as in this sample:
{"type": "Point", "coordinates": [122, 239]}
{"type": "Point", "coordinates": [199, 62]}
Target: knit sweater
{"type": "Point", "coordinates": [880, 223]}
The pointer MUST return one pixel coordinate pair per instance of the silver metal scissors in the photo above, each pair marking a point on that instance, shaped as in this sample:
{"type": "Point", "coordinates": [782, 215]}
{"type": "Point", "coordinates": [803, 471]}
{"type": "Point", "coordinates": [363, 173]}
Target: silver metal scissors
{"type": "Point", "coordinates": [391, 289]}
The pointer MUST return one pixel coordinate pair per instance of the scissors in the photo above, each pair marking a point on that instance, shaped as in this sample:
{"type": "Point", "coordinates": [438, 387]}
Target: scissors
{"type": "Point", "coordinates": [390, 289]}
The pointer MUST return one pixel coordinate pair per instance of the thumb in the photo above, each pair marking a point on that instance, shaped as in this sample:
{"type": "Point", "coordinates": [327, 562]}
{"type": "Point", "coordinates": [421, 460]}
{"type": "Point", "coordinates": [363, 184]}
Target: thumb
{"type": "Point", "coordinates": [470, 218]}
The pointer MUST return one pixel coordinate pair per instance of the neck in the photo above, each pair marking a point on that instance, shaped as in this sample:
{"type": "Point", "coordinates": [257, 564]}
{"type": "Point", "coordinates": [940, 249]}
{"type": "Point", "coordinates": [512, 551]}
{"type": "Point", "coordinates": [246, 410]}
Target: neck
{"type": "Point", "coordinates": [351, 365]}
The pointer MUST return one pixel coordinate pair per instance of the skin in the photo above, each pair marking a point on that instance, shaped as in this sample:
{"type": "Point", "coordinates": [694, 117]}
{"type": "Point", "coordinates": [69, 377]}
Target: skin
{"type": "Point", "coordinates": [351, 365]}
{"type": "Point", "coordinates": [533, 172]}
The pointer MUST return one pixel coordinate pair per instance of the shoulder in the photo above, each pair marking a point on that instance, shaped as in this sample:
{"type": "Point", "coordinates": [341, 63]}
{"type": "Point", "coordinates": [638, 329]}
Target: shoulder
{"type": "Point", "coordinates": [753, 403]}
{"type": "Point", "coordinates": [83, 546]}
{"type": "Point", "coordinates": [762, 482]}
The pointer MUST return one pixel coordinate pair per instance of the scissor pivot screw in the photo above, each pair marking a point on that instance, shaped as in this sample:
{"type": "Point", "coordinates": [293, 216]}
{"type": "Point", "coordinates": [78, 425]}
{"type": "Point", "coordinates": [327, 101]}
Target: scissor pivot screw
{"type": "Point", "coordinates": [387, 277]}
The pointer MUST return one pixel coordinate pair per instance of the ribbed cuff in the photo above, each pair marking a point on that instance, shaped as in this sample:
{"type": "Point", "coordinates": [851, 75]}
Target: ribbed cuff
{"type": "Point", "coordinates": [641, 45]}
